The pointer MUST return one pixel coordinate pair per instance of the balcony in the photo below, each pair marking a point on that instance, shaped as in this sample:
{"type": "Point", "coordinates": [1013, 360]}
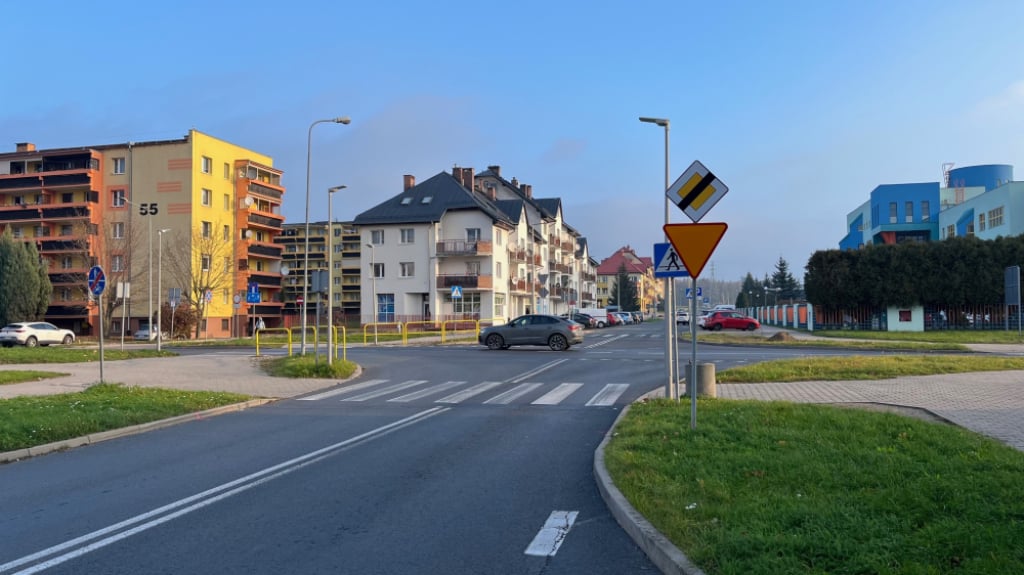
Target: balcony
{"type": "Point", "coordinates": [266, 279]}
{"type": "Point", "coordinates": [39, 180]}
{"type": "Point", "coordinates": [517, 256]}
{"type": "Point", "coordinates": [265, 222]}
{"type": "Point", "coordinates": [563, 268]}
{"type": "Point", "coordinates": [447, 281]}
{"type": "Point", "coordinates": [517, 285]}
{"type": "Point", "coordinates": [265, 191]}
{"type": "Point", "coordinates": [265, 250]}
{"type": "Point", "coordinates": [464, 248]}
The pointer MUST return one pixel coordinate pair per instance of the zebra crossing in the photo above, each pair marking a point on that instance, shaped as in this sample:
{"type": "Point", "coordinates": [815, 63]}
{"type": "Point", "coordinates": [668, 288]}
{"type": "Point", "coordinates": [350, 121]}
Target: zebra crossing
{"type": "Point", "coordinates": [483, 393]}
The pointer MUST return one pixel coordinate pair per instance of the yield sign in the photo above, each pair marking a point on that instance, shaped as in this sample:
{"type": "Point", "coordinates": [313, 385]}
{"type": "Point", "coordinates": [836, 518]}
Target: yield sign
{"type": "Point", "coordinates": [695, 242]}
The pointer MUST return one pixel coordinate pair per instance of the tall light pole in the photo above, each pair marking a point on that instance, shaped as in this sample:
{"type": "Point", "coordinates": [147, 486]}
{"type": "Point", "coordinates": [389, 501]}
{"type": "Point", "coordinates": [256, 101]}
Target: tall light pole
{"type": "Point", "coordinates": [305, 260]}
{"type": "Point", "coordinates": [670, 344]}
{"type": "Point", "coordinates": [373, 274]}
{"type": "Point", "coordinates": [330, 272]}
{"type": "Point", "coordinates": [159, 287]}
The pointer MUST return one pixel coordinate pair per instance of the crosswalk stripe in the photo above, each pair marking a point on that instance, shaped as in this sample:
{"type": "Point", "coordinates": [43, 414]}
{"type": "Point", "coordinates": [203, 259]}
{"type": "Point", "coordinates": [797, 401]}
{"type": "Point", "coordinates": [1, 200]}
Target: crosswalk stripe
{"type": "Point", "coordinates": [514, 393]}
{"type": "Point", "coordinates": [351, 388]}
{"type": "Point", "coordinates": [465, 394]}
{"type": "Point", "coordinates": [428, 391]}
{"type": "Point", "coordinates": [608, 395]}
{"type": "Point", "coordinates": [556, 395]}
{"type": "Point", "coordinates": [386, 390]}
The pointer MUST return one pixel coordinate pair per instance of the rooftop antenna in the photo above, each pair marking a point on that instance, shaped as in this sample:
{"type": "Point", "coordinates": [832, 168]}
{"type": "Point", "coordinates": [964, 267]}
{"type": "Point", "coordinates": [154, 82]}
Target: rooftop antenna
{"type": "Point", "coordinates": [946, 167]}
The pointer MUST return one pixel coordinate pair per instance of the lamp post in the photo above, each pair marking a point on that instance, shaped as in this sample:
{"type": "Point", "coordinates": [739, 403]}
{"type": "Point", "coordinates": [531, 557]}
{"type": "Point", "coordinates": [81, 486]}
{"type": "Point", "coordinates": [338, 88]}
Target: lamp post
{"type": "Point", "coordinates": [305, 259]}
{"type": "Point", "coordinates": [373, 274]}
{"type": "Point", "coordinates": [159, 287]}
{"type": "Point", "coordinates": [330, 272]}
{"type": "Point", "coordinates": [670, 344]}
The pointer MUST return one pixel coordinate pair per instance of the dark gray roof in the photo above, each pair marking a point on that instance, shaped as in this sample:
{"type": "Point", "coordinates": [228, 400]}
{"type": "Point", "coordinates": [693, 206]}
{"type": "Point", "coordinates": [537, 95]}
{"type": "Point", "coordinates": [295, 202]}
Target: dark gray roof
{"type": "Point", "coordinates": [549, 206]}
{"type": "Point", "coordinates": [445, 194]}
{"type": "Point", "coordinates": [511, 208]}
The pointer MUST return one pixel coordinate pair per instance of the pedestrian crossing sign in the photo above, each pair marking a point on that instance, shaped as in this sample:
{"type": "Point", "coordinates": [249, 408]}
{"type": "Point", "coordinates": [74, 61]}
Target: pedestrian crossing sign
{"type": "Point", "coordinates": [668, 263]}
{"type": "Point", "coordinates": [456, 292]}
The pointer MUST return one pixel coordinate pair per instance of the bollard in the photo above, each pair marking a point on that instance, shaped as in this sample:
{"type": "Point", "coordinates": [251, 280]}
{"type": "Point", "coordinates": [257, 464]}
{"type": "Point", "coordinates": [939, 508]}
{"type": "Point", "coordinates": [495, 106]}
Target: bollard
{"type": "Point", "coordinates": [705, 379]}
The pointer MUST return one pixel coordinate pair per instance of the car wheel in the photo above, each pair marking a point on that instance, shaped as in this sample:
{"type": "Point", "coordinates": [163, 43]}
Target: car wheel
{"type": "Point", "coordinates": [31, 341]}
{"type": "Point", "coordinates": [751, 327]}
{"type": "Point", "coordinates": [600, 324]}
{"type": "Point", "coordinates": [495, 341]}
{"type": "Point", "coordinates": [68, 340]}
{"type": "Point", "coordinates": [718, 327]}
{"type": "Point", "coordinates": [557, 342]}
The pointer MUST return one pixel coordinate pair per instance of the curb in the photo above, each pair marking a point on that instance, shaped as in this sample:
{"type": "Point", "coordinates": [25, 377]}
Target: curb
{"type": "Point", "coordinates": [662, 552]}
{"type": "Point", "coordinates": [18, 454]}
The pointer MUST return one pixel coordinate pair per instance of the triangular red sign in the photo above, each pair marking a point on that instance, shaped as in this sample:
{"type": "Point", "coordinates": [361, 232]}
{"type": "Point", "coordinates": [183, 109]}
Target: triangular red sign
{"type": "Point", "coordinates": [695, 242]}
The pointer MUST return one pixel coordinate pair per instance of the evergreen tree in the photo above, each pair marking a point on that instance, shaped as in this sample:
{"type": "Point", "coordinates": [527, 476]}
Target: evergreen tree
{"type": "Point", "coordinates": [24, 285]}
{"type": "Point", "coordinates": [624, 292]}
{"type": "Point", "coordinates": [783, 282]}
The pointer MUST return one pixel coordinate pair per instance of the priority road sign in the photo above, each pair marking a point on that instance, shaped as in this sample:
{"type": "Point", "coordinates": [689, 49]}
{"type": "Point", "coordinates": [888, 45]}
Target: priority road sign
{"type": "Point", "coordinates": [97, 280]}
{"type": "Point", "coordinates": [696, 191]}
{"type": "Point", "coordinates": [695, 242]}
{"type": "Point", "coordinates": [668, 264]}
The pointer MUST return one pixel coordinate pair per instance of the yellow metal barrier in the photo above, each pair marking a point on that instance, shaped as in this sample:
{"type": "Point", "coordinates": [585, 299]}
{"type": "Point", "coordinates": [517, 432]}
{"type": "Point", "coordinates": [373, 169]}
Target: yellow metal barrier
{"type": "Point", "coordinates": [344, 343]}
{"type": "Point", "coordinates": [405, 329]}
{"type": "Point", "coordinates": [377, 327]}
{"type": "Point", "coordinates": [455, 322]}
{"type": "Point", "coordinates": [274, 329]}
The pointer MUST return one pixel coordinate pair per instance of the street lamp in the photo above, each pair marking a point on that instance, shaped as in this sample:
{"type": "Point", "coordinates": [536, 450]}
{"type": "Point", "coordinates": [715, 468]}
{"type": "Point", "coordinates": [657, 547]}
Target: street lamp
{"type": "Point", "coordinates": [305, 260]}
{"type": "Point", "coordinates": [330, 272]}
{"type": "Point", "coordinates": [159, 287]}
{"type": "Point", "coordinates": [670, 343]}
{"type": "Point", "coordinates": [373, 274]}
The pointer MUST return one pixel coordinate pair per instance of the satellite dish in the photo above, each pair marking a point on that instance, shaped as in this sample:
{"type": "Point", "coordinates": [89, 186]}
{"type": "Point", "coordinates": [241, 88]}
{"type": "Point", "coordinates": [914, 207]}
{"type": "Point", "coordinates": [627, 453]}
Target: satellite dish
{"type": "Point", "coordinates": [248, 234]}
{"type": "Point", "coordinates": [284, 270]}
{"type": "Point", "coordinates": [247, 201]}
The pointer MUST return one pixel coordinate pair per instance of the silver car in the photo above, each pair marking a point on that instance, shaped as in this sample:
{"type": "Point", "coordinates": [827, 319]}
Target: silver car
{"type": "Point", "coordinates": [33, 333]}
{"type": "Point", "coordinates": [558, 333]}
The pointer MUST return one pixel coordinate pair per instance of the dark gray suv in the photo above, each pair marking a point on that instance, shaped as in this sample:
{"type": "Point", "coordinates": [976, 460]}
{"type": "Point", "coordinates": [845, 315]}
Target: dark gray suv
{"type": "Point", "coordinates": [558, 333]}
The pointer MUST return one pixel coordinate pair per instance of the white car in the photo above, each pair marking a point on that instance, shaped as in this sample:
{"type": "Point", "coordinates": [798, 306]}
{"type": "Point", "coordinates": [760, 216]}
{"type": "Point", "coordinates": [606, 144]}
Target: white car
{"type": "Point", "coordinates": [145, 335]}
{"type": "Point", "coordinates": [683, 317]}
{"type": "Point", "coordinates": [33, 333]}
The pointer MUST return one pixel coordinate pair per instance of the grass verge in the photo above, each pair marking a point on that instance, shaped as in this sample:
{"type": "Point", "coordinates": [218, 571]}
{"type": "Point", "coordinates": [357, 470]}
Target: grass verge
{"type": "Point", "coordinates": [37, 420]}
{"type": "Point", "coordinates": [888, 344]}
{"type": "Point", "coordinates": [16, 355]}
{"type": "Point", "coordinates": [861, 367]}
{"type": "Point", "coordinates": [307, 366]}
{"type": "Point", "coordinates": [774, 487]}
{"type": "Point", "coordinates": [21, 376]}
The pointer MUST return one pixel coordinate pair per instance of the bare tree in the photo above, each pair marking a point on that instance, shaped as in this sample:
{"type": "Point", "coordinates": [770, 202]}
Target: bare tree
{"type": "Point", "coordinates": [114, 250]}
{"type": "Point", "coordinates": [199, 264]}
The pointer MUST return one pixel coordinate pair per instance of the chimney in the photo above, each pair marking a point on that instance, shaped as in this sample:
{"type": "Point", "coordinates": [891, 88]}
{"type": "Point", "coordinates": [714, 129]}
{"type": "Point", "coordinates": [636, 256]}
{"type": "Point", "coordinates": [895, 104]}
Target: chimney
{"type": "Point", "coordinates": [492, 192]}
{"type": "Point", "coordinates": [467, 178]}
{"type": "Point", "coordinates": [25, 147]}
{"type": "Point", "coordinates": [515, 182]}
{"type": "Point", "coordinates": [495, 169]}
{"type": "Point", "coordinates": [528, 189]}
{"type": "Point", "coordinates": [408, 181]}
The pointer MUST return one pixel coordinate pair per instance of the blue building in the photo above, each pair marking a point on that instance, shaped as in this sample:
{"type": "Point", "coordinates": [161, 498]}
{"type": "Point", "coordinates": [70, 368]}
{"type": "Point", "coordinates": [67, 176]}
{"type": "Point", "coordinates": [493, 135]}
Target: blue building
{"type": "Point", "coordinates": [982, 201]}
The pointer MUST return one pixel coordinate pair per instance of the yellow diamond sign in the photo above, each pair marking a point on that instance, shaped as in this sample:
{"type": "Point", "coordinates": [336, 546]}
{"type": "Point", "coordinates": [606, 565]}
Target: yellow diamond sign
{"type": "Point", "coordinates": [696, 191]}
{"type": "Point", "coordinates": [695, 243]}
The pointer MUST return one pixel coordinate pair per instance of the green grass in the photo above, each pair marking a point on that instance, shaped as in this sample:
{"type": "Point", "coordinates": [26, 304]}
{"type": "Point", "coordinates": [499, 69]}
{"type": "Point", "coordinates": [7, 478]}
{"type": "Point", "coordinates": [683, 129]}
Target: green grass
{"type": "Point", "coordinates": [778, 488]}
{"type": "Point", "coordinates": [861, 367]}
{"type": "Point", "coordinates": [37, 420]}
{"type": "Point", "coordinates": [943, 336]}
{"type": "Point", "coordinates": [21, 376]}
{"type": "Point", "coordinates": [308, 366]}
{"type": "Point", "coordinates": [892, 344]}
{"type": "Point", "coordinates": [16, 355]}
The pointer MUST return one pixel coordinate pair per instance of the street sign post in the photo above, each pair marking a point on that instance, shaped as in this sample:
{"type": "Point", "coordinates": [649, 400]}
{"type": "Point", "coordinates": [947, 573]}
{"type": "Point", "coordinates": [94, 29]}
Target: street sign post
{"type": "Point", "coordinates": [97, 282]}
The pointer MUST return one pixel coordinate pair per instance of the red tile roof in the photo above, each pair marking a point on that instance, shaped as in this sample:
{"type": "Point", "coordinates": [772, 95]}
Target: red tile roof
{"type": "Point", "coordinates": [624, 255]}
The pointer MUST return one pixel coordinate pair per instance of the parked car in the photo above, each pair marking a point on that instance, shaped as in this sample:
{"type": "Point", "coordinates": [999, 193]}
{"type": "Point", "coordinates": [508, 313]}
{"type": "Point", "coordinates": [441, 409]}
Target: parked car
{"type": "Point", "coordinates": [638, 316]}
{"type": "Point", "coordinates": [145, 335]}
{"type": "Point", "coordinates": [558, 333]}
{"type": "Point", "coordinates": [588, 321]}
{"type": "Point", "coordinates": [614, 319]}
{"type": "Point", "coordinates": [718, 320]}
{"type": "Point", "coordinates": [682, 316]}
{"type": "Point", "coordinates": [31, 334]}
{"type": "Point", "coordinates": [627, 318]}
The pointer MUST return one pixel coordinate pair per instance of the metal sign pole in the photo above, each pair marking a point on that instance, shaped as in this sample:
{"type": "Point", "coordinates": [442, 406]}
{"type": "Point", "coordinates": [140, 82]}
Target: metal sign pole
{"type": "Point", "coordinates": [693, 354]}
{"type": "Point", "coordinates": [101, 335]}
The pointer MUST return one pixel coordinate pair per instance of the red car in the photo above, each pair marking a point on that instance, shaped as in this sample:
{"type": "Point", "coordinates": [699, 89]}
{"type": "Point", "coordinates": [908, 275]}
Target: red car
{"type": "Point", "coordinates": [614, 319]}
{"type": "Point", "coordinates": [729, 319]}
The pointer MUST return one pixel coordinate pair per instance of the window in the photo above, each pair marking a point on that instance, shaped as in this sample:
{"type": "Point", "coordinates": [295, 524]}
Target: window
{"type": "Point", "coordinates": [118, 230]}
{"type": "Point", "coordinates": [207, 197]}
{"type": "Point", "coordinates": [995, 217]}
{"type": "Point", "coordinates": [227, 232]}
{"type": "Point", "coordinates": [408, 235]}
{"type": "Point", "coordinates": [497, 269]}
{"type": "Point", "coordinates": [892, 212]}
{"type": "Point", "coordinates": [227, 171]}
{"type": "Point", "coordinates": [224, 299]}
{"type": "Point", "coordinates": [499, 237]}
{"type": "Point", "coordinates": [117, 198]}
{"type": "Point", "coordinates": [406, 200]}
{"type": "Point", "coordinates": [499, 305]}
{"type": "Point", "coordinates": [225, 324]}
{"type": "Point", "coordinates": [67, 197]}
{"type": "Point", "coordinates": [227, 266]}
{"type": "Point", "coordinates": [377, 237]}
{"type": "Point", "coordinates": [406, 269]}
{"type": "Point", "coordinates": [66, 230]}
{"type": "Point", "coordinates": [227, 203]}
{"type": "Point", "coordinates": [925, 211]}
{"type": "Point", "coordinates": [207, 165]}
{"type": "Point", "coordinates": [118, 165]}
{"type": "Point", "coordinates": [67, 262]}
{"type": "Point", "coordinates": [472, 234]}
{"type": "Point", "coordinates": [207, 229]}
{"type": "Point", "coordinates": [385, 307]}
{"type": "Point", "coordinates": [378, 270]}
{"type": "Point", "coordinates": [951, 231]}
{"type": "Point", "coordinates": [65, 294]}
{"type": "Point", "coordinates": [337, 232]}
{"type": "Point", "coordinates": [205, 262]}
{"type": "Point", "coordinates": [469, 303]}
{"type": "Point", "coordinates": [117, 263]}
{"type": "Point", "coordinates": [909, 216]}
{"type": "Point", "coordinates": [473, 268]}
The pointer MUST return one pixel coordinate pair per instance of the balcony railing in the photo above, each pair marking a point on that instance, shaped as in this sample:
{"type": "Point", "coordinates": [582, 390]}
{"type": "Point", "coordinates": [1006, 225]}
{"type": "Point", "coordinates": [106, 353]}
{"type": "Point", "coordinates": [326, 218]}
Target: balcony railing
{"type": "Point", "coordinates": [265, 278]}
{"type": "Point", "coordinates": [564, 268]}
{"type": "Point", "coordinates": [517, 255]}
{"type": "Point", "coordinates": [265, 221]}
{"type": "Point", "coordinates": [518, 285]}
{"type": "Point", "coordinates": [465, 281]}
{"type": "Point", "coordinates": [464, 248]}
{"type": "Point", "coordinates": [258, 188]}
{"type": "Point", "coordinates": [265, 251]}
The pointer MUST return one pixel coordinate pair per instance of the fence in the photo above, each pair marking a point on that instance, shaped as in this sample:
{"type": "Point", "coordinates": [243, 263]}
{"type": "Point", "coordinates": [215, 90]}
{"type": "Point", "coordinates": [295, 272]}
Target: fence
{"type": "Point", "coordinates": [806, 316]}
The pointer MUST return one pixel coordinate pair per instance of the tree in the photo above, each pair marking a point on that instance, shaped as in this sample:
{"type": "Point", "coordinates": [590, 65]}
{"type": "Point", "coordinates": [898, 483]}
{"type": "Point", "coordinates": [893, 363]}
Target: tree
{"type": "Point", "coordinates": [200, 265]}
{"type": "Point", "coordinates": [183, 319]}
{"type": "Point", "coordinates": [784, 283]}
{"type": "Point", "coordinates": [624, 292]}
{"type": "Point", "coordinates": [24, 284]}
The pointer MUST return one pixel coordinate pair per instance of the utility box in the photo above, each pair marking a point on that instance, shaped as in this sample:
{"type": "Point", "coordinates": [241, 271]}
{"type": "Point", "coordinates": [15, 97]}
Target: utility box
{"type": "Point", "coordinates": [705, 380]}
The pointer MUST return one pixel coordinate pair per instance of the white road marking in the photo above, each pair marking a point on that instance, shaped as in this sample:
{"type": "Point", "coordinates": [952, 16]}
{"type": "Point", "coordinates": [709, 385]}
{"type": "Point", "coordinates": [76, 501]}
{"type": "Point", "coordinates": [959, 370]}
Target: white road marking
{"type": "Point", "coordinates": [514, 393]}
{"type": "Point", "coordinates": [206, 498]}
{"type": "Point", "coordinates": [334, 392]}
{"type": "Point", "coordinates": [429, 391]}
{"type": "Point", "coordinates": [608, 395]}
{"type": "Point", "coordinates": [558, 394]}
{"type": "Point", "coordinates": [605, 341]}
{"type": "Point", "coordinates": [386, 390]}
{"type": "Point", "coordinates": [465, 394]}
{"type": "Point", "coordinates": [537, 370]}
{"type": "Point", "coordinates": [550, 537]}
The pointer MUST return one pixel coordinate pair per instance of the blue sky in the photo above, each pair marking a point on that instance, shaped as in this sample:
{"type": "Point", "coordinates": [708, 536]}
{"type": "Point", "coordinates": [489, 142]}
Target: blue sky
{"type": "Point", "coordinates": [801, 107]}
